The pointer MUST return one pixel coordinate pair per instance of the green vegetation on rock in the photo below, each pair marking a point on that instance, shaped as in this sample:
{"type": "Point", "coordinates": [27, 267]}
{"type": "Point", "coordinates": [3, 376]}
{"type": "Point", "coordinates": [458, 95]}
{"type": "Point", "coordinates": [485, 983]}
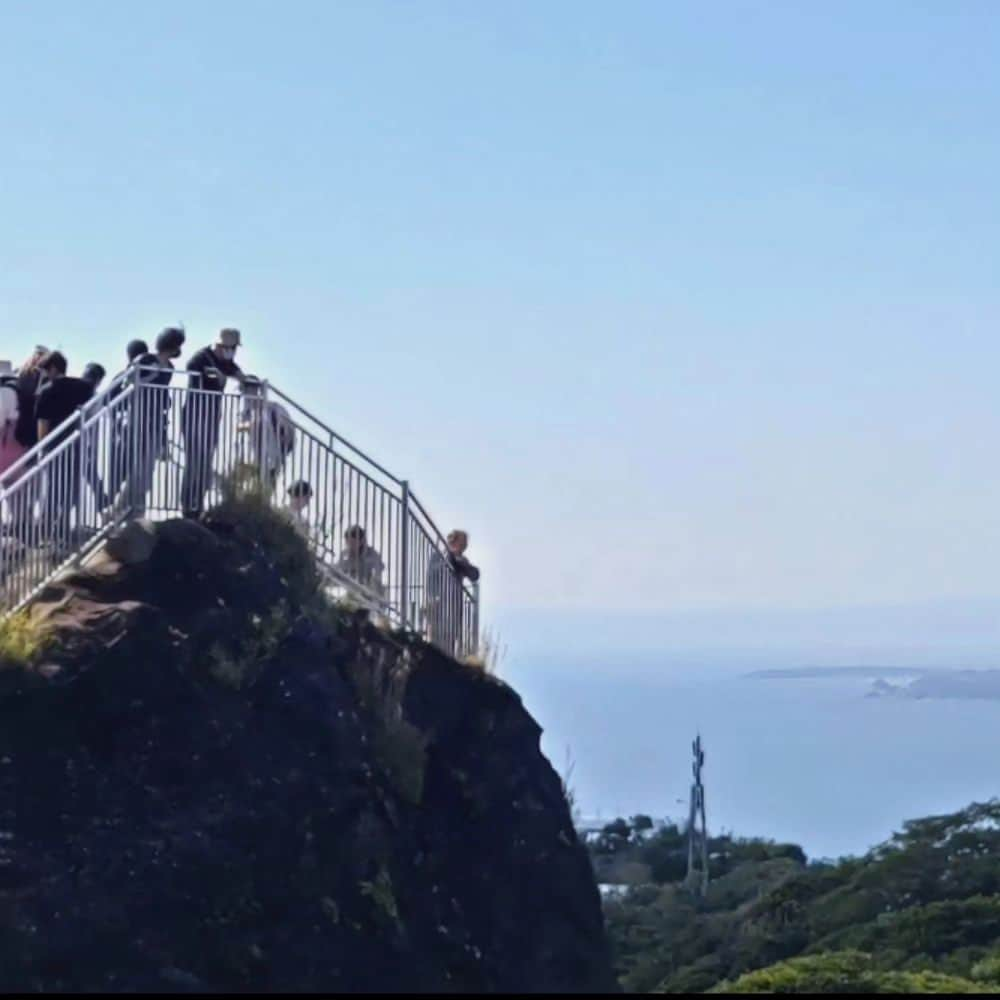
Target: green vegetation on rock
{"type": "Point", "coordinates": [23, 639]}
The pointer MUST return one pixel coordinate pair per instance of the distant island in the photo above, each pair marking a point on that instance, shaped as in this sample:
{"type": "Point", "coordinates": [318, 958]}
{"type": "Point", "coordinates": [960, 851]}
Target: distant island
{"type": "Point", "coordinates": [802, 673]}
{"type": "Point", "coordinates": [939, 683]}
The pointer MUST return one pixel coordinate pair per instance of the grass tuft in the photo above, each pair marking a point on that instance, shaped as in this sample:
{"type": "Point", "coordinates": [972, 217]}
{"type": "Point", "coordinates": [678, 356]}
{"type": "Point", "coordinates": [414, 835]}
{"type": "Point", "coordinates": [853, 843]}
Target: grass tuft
{"type": "Point", "coordinates": [246, 502]}
{"type": "Point", "coordinates": [240, 666]}
{"type": "Point", "coordinates": [22, 639]}
{"type": "Point", "coordinates": [381, 893]}
{"type": "Point", "coordinates": [492, 652]}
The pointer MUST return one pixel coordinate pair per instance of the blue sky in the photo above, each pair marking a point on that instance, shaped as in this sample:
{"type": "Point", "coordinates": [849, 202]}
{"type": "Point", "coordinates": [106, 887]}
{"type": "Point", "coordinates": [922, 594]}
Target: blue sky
{"type": "Point", "coordinates": [672, 305]}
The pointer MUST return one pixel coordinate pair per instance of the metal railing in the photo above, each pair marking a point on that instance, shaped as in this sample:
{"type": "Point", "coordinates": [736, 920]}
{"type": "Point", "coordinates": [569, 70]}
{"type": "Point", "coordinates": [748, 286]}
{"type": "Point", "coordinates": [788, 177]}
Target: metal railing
{"type": "Point", "coordinates": [146, 448]}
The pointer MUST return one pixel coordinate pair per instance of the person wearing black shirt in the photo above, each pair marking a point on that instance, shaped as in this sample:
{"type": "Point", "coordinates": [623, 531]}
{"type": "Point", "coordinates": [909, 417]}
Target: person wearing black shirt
{"type": "Point", "coordinates": [208, 371]}
{"type": "Point", "coordinates": [94, 374]}
{"type": "Point", "coordinates": [119, 435]}
{"type": "Point", "coordinates": [146, 434]}
{"type": "Point", "coordinates": [58, 402]}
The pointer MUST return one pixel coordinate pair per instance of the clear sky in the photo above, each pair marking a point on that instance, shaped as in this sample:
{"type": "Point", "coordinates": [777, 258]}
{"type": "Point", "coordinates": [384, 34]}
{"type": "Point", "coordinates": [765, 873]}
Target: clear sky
{"type": "Point", "coordinates": [672, 305]}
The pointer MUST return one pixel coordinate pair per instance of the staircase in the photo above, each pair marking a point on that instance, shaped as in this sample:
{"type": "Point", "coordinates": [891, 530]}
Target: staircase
{"type": "Point", "coordinates": [140, 449]}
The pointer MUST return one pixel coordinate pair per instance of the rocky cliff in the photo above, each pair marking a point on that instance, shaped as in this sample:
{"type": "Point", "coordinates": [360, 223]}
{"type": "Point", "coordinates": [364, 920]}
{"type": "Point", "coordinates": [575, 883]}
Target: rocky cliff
{"type": "Point", "coordinates": [213, 779]}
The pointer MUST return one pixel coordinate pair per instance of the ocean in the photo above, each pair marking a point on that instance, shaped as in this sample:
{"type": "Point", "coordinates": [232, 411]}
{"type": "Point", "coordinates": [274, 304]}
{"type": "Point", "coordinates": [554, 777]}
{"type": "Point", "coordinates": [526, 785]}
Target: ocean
{"type": "Point", "coordinates": [811, 761]}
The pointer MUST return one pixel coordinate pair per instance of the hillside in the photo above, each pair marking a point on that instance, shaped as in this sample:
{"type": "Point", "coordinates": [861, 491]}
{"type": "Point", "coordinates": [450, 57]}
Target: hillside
{"type": "Point", "coordinates": [921, 913]}
{"type": "Point", "coordinates": [213, 779]}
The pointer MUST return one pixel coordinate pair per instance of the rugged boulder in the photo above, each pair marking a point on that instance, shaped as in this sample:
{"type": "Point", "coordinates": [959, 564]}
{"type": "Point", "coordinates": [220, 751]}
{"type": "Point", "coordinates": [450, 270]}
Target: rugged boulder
{"type": "Point", "coordinates": [213, 780]}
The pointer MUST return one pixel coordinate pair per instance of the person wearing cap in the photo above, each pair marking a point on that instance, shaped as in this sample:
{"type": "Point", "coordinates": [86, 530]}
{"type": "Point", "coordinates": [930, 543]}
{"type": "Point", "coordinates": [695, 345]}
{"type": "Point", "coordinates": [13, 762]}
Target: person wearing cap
{"type": "Point", "coordinates": [147, 429]}
{"type": "Point", "coordinates": [208, 371]}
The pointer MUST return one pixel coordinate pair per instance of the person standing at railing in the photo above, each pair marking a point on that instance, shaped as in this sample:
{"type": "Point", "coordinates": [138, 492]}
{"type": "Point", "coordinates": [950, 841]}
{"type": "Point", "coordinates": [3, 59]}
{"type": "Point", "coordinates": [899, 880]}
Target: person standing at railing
{"type": "Point", "coordinates": [299, 495]}
{"type": "Point", "coordinates": [94, 374]}
{"type": "Point", "coordinates": [360, 561]}
{"type": "Point", "coordinates": [445, 593]}
{"type": "Point", "coordinates": [60, 399]}
{"type": "Point", "coordinates": [134, 350]}
{"type": "Point", "coordinates": [208, 371]}
{"type": "Point", "coordinates": [269, 431]}
{"type": "Point", "coordinates": [146, 435]}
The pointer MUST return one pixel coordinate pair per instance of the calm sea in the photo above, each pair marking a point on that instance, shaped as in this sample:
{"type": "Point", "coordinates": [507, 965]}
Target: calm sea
{"type": "Point", "coordinates": [809, 761]}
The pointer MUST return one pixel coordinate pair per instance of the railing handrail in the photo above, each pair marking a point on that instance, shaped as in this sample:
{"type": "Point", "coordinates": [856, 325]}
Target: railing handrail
{"type": "Point", "coordinates": [38, 448]}
{"type": "Point", "coordinates": [442, 541]}
{"type": "Point", "coordinates": [271, 387]}
{"type": "Point", "coordinates": [53, 468]}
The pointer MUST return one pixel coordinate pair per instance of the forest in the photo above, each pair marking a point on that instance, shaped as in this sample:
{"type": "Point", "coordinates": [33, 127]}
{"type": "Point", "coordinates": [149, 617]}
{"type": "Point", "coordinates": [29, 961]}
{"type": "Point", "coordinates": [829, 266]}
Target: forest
{"type": "Point", "coordinates": [918, 914]}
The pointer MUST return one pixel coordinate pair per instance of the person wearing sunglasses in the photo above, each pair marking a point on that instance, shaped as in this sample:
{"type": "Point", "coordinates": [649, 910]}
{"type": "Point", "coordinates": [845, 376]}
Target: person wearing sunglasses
{"type": "Point", "coordinates": [360, 561]}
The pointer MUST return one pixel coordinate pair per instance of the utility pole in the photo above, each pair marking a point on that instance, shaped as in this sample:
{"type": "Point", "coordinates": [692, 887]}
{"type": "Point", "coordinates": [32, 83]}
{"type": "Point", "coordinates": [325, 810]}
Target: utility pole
{"type": "Point", "coordinates": [697, 873]}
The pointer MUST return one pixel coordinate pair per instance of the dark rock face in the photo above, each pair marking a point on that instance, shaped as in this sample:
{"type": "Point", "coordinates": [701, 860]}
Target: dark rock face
{"type": "Point", "coordinates": [200, 793]}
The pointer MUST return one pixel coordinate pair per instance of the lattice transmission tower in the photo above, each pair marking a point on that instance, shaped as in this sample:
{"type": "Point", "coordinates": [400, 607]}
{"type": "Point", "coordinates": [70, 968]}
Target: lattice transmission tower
{"type": "Point", "coordinates": [697, 873]}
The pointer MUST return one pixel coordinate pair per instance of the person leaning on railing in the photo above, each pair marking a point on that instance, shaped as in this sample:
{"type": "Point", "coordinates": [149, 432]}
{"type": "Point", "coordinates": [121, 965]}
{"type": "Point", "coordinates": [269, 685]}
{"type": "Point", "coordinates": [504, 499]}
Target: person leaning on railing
{"type": "Point", "coordinates": [445, 574]}
{"type": "Point", "coordinates": [208, 371]}
{"type": "Point", "coordinates": [268, 428]}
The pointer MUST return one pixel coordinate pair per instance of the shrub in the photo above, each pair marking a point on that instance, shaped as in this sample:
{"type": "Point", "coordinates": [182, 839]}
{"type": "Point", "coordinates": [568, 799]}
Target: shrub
{"type": "Point", "coordinates": [844, 972]}
{"type": "Point", "coordinates": [246, 504]}
{"type": "Point", "coordinates": [491, 653]}
{"type": "Point", "coordinates": [239, 665]}
{"type": "Point", "coordinates": [987, 970]}
{"type": "Point", "coordinates": [22, 639]}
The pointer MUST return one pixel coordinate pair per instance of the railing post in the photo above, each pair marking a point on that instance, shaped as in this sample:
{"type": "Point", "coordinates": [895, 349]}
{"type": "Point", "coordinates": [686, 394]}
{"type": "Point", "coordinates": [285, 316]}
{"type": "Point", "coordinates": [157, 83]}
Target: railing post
{"type": "Point", "coordinates": [404, 562]}
{"type": "Point", "coordinates": [134, 432]}
{"type": "Point", "coordinates": [262, 435]}
{"type": "Point", "coordinates": [475, 618]}
{"type": "Point", "coordinates": [81, 461]}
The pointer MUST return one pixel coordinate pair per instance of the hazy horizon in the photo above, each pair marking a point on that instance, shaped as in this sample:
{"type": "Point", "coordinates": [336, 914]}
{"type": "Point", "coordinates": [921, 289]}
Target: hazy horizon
{"type": "Point", "coordinates": [929, 634]}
